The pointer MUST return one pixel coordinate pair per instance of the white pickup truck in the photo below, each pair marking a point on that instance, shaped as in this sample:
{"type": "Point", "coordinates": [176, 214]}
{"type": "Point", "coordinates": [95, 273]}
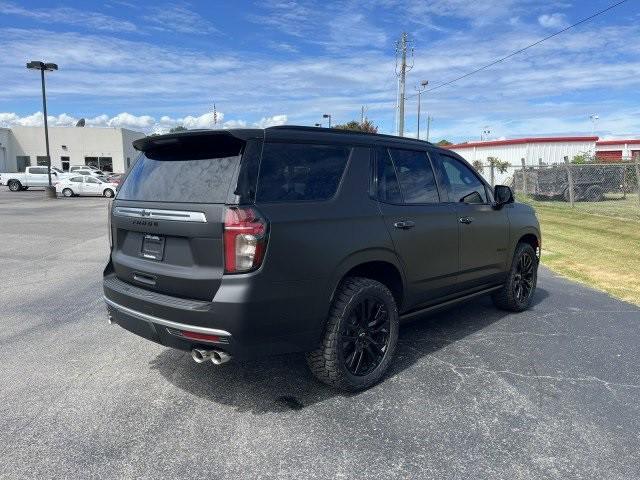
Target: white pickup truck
{"type": "Point", "coordinates": [32, 177]}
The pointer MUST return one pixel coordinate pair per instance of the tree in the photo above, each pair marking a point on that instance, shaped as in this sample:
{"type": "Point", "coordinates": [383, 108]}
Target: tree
{"type": "Point", "coordinates": [366, 126]}
{"type": "Point", "coordinates": [177, 129]}
{"type": "Point", "coordinates": [478, 165]}
{"type": "Point", "coordinates": [444, 143]}
{"type": "Point", "coordinates": [500, 165]}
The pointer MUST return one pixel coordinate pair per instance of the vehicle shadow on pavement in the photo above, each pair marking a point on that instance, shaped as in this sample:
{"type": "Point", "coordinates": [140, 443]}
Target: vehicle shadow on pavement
{"type": "Point", "coordinates": [284, 384]}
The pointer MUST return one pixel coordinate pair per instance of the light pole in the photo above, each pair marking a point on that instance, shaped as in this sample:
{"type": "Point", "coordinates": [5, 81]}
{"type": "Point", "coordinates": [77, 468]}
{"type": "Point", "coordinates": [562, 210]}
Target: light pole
{"type": "Point", "coordinates": [327, 115]}
{"type": "Point", "coordinates": [420, 88]}
{"type": "Point", "coordinates": [594, 118]}
{"type": "Point", "coordinates": [45, 67]}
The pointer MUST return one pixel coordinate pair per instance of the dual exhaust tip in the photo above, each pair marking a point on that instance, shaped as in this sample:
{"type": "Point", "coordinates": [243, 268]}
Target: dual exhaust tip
{"type": "Point", "coordinates": [218, 357]}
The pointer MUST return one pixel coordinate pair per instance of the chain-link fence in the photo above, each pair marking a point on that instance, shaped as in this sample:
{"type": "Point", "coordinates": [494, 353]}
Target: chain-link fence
{"type": "Point", "coordinates": [608, 188]}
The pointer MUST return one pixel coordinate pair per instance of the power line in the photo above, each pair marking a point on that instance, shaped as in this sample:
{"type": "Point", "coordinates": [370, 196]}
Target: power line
{"type": "Point", "coordinates": [512, 54]}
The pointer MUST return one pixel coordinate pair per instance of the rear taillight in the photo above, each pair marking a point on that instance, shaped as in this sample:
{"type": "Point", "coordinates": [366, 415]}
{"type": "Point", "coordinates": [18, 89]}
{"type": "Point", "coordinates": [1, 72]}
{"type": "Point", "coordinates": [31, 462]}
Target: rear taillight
{"type": "Point", "coordinates": [110, 233]}
{"type": "Point", "coordinates": [245, 239]}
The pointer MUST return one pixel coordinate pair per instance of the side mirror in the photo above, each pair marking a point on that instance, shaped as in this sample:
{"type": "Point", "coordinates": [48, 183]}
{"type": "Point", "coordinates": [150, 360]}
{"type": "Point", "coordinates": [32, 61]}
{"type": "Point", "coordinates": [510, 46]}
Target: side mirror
{"type": "Point", "coordinates": [502, 195]}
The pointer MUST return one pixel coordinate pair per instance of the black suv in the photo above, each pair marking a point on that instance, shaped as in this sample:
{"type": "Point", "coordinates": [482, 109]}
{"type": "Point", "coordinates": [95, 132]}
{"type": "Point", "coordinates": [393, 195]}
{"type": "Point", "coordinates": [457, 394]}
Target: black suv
{"type": "Point", "coordinates": [251, 242]}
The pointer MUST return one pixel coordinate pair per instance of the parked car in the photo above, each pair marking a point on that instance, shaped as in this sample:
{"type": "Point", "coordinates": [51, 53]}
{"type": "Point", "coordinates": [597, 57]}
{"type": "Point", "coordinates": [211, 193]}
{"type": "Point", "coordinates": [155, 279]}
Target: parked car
{"type": "Point", "coordinates": [90, 172]}
{"type": "Point", "coordinates": [115, 178]}
{"type": "Point", "coordinates": [241, 243]}
{"type": "Point", "coordinates": [74, 168]}
{"type": "Point", "coordinates": [86, 185]}
{"type": "Point", "coordinates": [36, 176]}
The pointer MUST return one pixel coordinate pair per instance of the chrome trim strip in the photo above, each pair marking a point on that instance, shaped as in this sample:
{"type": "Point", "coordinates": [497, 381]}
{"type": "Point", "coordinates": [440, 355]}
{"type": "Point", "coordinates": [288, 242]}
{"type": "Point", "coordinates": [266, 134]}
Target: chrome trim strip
{"type": "Point", "coordinates": [167, 323]}
{"type": "Point", "coordinates": [155, 214]}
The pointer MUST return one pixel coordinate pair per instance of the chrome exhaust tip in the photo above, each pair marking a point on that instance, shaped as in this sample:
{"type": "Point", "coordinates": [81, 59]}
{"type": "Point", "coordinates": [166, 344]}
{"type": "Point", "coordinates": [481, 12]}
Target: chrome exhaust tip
{"type": "Point", "coordinates": [219, 357]}
{"type": "Point", "coordinates": [200, 355]}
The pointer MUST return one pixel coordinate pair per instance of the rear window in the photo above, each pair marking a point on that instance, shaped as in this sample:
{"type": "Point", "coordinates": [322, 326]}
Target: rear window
{"type": "Point", "coordinates": [189, 170]}
{"type": "Point", "coordinates": [292, 172]}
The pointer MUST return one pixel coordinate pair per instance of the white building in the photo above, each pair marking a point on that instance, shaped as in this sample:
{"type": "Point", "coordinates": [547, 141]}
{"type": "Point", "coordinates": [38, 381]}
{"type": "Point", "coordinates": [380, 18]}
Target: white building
{"type": "Point", "coordinates": [109, 149]}
{"type": "Point", "coordinates": [547, 150]}
{"type": "Point", "coordinates": [533, 150]}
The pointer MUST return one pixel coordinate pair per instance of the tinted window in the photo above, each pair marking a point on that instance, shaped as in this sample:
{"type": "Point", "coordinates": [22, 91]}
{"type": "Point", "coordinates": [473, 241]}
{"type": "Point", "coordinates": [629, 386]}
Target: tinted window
{"type": "Point", "coordinates": [296, 172]}
{"type": "Point", "coordinates": [388, 188]}
{"type": "Point", "coordinates": [415, 175]}
{"type": "Point", "coordinates": [76, 179]}
{"type": "Point", "coordinates": [92, 180]}
{"type": "Point", "coordinates": [38, 171]}
{"type": "Point", "coordinates": [464, 185]}
{"type": "Point", "coordinates": [196, 169]}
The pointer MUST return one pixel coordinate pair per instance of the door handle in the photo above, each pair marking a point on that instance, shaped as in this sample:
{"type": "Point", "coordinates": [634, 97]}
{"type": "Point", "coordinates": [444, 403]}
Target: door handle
{"type": "Point", "coordinates": [404, 225]}
{"type": "Point", "coordinates": [466, 220]}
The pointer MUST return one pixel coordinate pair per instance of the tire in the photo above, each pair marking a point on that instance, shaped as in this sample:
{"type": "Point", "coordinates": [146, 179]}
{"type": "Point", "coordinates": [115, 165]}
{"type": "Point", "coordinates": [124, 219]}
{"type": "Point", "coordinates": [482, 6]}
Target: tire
{"type": "Point", "coordinates": [360, 337]}
{"type": "Point", "coordinates": [14, 185]}
{"type": "Point", "coordinates": [594, 194]}
{"type": "Point", "coordinates": [108, 193]}
{"type": "Point", "coordinates": [67, 192]}
{"type": "Point", "coordinates": [519, 288]}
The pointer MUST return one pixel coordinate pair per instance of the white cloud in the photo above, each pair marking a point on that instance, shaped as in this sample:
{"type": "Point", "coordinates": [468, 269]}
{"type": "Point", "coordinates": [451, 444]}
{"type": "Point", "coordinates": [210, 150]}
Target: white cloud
{"type": "Point", "coordinates": [178, 18]}
{"type": "Point", "coordinates": [271, 121]}
{"type": "Point", "coordinates": [553, 20]}
{"type": "Point", "coordinates": [69, 16]}
{"type": "Point", "coordinates": [144, 123]}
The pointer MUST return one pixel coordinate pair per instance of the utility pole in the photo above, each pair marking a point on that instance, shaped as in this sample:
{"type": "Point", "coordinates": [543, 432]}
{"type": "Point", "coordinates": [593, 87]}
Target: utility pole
{"type": "Point", "coordinates": [215, 115]}
{"type": "Point", "coordinates": [420, 88]}
{"type": "Point", "coordinates": [429, 118]}
{"type": "Point", "coordinates": [401, 51]}
{"type": "Point", "coordinates": [362, 109]}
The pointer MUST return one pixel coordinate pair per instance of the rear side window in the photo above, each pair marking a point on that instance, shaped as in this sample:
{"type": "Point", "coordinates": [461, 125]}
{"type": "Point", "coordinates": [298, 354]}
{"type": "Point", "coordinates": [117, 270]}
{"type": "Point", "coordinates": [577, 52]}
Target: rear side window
{"type": "Point", "coordinates": [292, 172]}
{"type": "Point", "coordinates": [388, 187]}
{"type": "Point", "coordinates": [38, 171]}
{"type": "Point", "coordinates": [415, 175]}
{"type": "Point", "coordinates": [190, 170]}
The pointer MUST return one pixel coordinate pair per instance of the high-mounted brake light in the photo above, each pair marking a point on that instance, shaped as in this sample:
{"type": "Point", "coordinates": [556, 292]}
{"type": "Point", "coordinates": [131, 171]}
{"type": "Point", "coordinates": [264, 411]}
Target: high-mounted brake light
{"type": "Point", "coordinates": [245, 239]}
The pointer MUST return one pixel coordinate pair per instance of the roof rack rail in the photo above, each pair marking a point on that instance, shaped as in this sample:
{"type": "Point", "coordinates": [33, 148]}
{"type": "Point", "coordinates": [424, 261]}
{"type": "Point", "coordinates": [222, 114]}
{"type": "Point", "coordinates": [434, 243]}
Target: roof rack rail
{"type": "Point", "coordinates": [340, 131]}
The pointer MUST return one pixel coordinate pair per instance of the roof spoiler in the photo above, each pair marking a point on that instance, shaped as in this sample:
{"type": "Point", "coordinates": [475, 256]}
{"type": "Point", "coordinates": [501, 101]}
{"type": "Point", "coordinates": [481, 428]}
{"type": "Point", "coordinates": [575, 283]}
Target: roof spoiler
{"type": "Point", "coordinates": [153, 142]}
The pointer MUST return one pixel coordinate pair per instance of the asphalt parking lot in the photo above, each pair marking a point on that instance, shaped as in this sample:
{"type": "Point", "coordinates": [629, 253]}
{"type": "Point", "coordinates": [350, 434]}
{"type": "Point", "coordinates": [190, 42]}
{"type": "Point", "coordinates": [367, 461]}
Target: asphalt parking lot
{"type": "Point", "coordinates": [473, 393]}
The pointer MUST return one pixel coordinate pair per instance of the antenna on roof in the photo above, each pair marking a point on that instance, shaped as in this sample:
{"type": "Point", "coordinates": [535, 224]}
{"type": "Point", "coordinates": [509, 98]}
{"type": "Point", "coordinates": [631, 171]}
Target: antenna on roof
{"type": "Point", "coordinates": [80, 123]}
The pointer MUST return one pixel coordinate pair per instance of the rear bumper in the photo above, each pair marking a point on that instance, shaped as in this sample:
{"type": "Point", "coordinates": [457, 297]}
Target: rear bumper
{"type": "Point", "coordinates": [249, 320]}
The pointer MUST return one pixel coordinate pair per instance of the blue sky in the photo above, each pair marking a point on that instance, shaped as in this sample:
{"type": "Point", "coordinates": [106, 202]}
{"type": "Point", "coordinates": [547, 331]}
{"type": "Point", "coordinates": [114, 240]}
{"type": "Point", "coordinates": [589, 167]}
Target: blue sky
{"type": "Point", "coordinates": [150, 65]}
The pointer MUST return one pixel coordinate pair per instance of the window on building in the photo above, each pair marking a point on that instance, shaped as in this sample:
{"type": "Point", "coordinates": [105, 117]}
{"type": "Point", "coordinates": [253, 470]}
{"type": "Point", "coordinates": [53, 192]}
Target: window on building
{"type": "Point", "coordinates": [22, 162]}
{"type": "Point", "coordinates": [105, 164]}
{"type": "Point", "coordinates": [65, 163]}
{"type": "Point", "coordinates": [91, 161]}
{"type": "Point", "coordinates": [41, 160]}
{"type": "Point", "coordinates": [415, 175]}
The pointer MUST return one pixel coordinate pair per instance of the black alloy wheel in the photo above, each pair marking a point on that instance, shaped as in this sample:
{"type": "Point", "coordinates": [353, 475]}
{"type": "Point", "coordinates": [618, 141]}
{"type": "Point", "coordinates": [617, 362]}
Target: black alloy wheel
{"type": "Point", "coordinates": [524, 278]}
{"type": "Point", "coordinates": [365, 337]}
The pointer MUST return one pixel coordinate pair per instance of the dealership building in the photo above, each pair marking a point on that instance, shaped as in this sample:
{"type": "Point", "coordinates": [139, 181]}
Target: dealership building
{"type": "Point", "coordinates": [109, 149]}
{"type": "Point", "coordinates": [547, 150]}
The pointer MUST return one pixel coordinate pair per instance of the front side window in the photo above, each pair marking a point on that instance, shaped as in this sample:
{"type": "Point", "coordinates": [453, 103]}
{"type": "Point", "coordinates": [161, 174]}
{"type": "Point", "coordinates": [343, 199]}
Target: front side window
{"type": "Point", "coordinates": [300, 172]}
{"type": "Point", "coordinates": [38, 171]}
{"type": "Point", "coordinates": [464, 185]}
{"type": "Point", "coordinates": [92, 180]}
{"type": "Point", "coordinates": [415, 175]}
{"type": "Point", "coordinates": [76, 180]}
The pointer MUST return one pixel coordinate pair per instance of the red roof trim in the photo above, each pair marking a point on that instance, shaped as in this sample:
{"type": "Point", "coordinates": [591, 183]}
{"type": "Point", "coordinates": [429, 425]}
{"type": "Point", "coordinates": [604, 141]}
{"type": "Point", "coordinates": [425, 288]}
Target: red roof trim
{"type": "Point", "coordinates": [519, 141]}
{"type": "Point", "coordinates": [634, 141]}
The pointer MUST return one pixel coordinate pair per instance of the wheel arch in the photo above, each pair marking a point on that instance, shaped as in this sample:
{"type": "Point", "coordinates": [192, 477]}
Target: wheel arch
{"type": "Point", "coordinates": [381, 265]}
